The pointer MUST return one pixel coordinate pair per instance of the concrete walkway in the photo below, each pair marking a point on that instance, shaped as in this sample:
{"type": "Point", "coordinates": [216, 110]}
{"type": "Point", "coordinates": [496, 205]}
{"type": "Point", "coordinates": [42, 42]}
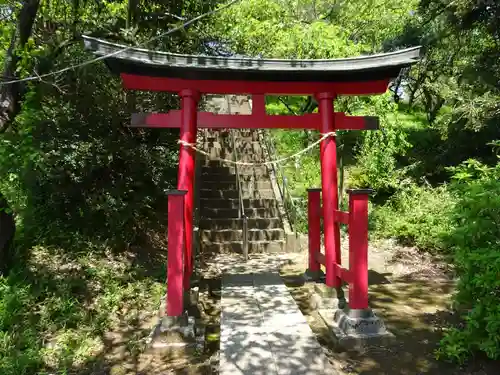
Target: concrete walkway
{"type": "Point", "coordinates": [263, 331]}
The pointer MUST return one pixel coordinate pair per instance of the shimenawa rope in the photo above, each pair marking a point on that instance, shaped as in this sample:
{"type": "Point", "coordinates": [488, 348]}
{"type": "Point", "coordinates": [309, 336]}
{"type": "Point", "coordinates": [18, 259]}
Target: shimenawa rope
{"type": "Point", "coordinates": [278, 161]}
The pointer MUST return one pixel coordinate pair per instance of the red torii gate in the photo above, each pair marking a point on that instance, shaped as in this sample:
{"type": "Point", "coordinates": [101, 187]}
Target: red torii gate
{"type": "Point", "coordinates": [191, 76]}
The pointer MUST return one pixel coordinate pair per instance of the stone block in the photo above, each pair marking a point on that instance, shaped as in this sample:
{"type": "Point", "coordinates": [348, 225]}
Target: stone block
{"type": "Point", "coordinates": [324, 297]}
{"type": "Point", "coordinates": [191, 296]}
{"type": "Point", "coordinates": [314, 276]}
{"type": "Point", "coordinates": [356, 329]}
{"type": "Point", "coordinates": [174, 335]}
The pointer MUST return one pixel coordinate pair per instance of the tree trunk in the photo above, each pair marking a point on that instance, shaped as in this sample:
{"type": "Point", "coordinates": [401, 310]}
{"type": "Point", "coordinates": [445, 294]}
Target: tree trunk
{"type": "Point", "coordinates": [11, 94]}
{"type": "Point", "coordinates": [7, 232]}
{"type": "Point", "coordinates": [434, 109]}
{"type": "Point", "coordinates": [131, 13]}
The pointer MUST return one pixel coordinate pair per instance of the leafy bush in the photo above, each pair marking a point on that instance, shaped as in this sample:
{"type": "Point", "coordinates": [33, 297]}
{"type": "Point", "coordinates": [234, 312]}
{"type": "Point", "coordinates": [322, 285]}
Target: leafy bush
{"type": "Point", "coordinates": [72, 160]}
{"type": "Point", "coordinates": [475, 242]}
{"type": "Point", "coordinates": [460, 219]}
{"type": "Point", "coordinates": [416, 215]}
{"type": "Point", "coordinates": [83, 186]}
{"type": "Point", "coordinates": [377, 151]}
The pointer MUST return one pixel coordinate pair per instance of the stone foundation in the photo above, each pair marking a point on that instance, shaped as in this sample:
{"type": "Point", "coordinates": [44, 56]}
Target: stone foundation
{"type": "Point", "coordinates": [356, 329]}
{"type": "Point", "coordinates": [176, 334]}
{"type": "Point", "coordinates": [350, 329]}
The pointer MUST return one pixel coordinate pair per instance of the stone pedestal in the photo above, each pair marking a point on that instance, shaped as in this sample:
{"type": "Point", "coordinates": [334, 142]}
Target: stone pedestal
{"type": "Point", "coordinates": [174, 332]}
{"type": "Point", "coordinates": [313, 276]}
{"type": "Point", "coordinates": [350, 329]}
{"type": "Point", "coordinates": [191, 298]}
{"type": "Point", "coordinates": [359, 322]}
{"type": "Point", "coordinates": [324, 297]}
{"type": "Point", "coordinates": [356, 329]}
{"type": "Point", "coordinates": [177, 334]}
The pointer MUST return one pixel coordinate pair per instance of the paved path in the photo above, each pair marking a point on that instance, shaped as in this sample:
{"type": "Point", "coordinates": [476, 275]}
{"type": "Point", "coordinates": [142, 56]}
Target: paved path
{"type": "Point", "coordinates": [263, 331]}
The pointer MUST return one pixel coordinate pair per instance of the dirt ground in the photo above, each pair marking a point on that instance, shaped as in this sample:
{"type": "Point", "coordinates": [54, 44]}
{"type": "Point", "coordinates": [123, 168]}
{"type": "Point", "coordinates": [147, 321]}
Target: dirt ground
{"type": "Point", "coordinates": [411, 292]}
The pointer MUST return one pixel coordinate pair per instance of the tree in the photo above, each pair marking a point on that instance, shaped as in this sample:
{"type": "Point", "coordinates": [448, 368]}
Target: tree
{"type": "Point", "coordinates": [11, 94]}
{"type": "Point", "coordinates": [63, 131]}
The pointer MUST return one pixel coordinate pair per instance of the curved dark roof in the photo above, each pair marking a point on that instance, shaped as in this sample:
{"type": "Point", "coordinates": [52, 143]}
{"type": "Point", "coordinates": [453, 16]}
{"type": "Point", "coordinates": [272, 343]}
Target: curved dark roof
{"type": "Point", "coordinates": [140, 61]}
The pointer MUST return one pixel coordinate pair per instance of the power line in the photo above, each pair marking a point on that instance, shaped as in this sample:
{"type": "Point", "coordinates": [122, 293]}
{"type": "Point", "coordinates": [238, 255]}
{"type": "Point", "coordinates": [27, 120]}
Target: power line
{"type": "Point", "coordinates": [89, 62]}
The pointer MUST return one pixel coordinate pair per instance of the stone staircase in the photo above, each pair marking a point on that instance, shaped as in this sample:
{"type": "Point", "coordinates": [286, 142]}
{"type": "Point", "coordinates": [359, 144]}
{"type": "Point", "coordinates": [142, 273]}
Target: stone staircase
{"type": "Point", "coordinates": [219, 224]}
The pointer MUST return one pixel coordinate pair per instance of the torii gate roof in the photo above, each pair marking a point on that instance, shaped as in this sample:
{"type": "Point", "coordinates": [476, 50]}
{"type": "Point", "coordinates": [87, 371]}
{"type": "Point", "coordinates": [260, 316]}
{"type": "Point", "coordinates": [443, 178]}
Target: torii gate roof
{"type": "Point", "coordinates": [143, 62]}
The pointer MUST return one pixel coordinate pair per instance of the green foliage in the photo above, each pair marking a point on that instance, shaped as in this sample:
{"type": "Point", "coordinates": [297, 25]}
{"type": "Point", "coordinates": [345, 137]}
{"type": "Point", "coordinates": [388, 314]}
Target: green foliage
{"type": "Point", "coordinates": [84, 187]}
{"type": "Point", "coordinates": [55, 322]}
{"type": "Point", "coordinates": [301, 173]}
{"type": "Point", "coordinates": [459, 220]}
{"type": "Point", "coordinates": [282, 29]}
{"type": "Point", "coordinates": [94, 182]}
{"type": "Point", "coordinates": [362, 19]}
{"type": "Point", "coordinates": [418, 216]}
{"type": "Point", "coordinates": [476, 246]}
{"type": "Point", "coordinates": [378, 151]}
{"type": "Point", "coordinates": [80, 182]}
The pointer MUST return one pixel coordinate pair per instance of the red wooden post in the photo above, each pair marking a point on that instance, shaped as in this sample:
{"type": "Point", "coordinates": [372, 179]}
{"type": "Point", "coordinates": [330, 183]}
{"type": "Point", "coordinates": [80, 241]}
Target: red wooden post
{"type": "Point", "coordinates": [175, 267]}
{"type": "Point", "coordinates": [358, 248]}
{"type": "Point", "coordinates": [185, 181]}
{"type": "Point", "coordinates": [314, 230]}
{"type": "Point", "coordinates": [328, 155]}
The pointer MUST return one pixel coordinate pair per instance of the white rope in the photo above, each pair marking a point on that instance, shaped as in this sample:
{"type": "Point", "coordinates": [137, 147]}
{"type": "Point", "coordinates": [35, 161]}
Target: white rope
{"type": "Point", "coordinates": [277, 161]}
{"type": "Point", "coordinates": [88, 62]}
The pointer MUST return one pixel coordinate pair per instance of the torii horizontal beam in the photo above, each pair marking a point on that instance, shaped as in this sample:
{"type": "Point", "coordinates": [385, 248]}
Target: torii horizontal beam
{"type": "Point", "coordinates": [172, 119]}
{"type": "Point", "coordinates": [167, 84]}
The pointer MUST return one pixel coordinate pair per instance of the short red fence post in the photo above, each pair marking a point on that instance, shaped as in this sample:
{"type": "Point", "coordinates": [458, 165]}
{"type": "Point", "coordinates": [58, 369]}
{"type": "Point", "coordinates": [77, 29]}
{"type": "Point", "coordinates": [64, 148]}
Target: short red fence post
{"type": "Point", "coordinates": [176, 244]}
{"type": "Point", "coordinates": [314, 232]}
{"type": "Point", "coordinates": [358, 248]}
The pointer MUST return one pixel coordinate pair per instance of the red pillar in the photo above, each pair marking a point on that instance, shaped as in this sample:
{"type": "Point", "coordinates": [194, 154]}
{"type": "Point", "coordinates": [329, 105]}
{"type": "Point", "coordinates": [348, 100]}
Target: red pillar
{"type": "Point", "coordinates": [358, 248]}
{"type": "Point", "coordinates": [175, 267]}
{"type": "Point", "coordinates": [314, 230]}
{"type": "Point", "coordinates": [328, 155]}
{"type": "Point", "coordinates": [185, 180]}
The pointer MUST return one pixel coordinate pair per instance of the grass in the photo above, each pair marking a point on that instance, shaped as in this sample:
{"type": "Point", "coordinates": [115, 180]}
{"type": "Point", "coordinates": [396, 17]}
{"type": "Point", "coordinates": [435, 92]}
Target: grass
{"type": "Point", "coordinates": [58, 312]}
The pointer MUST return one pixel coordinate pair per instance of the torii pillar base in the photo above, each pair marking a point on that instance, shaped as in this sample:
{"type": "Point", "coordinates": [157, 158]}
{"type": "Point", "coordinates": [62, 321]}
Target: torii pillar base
{"type": "Point", "coordinates": [173, 335]}
{"type": "Point", "coordinates": [356, 329]}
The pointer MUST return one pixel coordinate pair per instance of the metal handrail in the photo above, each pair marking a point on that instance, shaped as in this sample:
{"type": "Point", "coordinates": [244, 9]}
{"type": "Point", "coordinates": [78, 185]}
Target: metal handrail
{"type": "Point", "coordinates": [241, 207]}
{"type": "Point", "coordinates": [286, 195]}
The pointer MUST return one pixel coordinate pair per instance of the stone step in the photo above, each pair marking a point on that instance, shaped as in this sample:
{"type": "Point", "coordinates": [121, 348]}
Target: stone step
{"type": "Point", "coordinates": [237, 247]}
{"type": "Point", "coordinates": [255, 223]}
{"type": "Point", "coordinates": [217, 146]}
{"type": "Point", "coordinates": [234, 194]}
{"type": "Point", "coordinates": [232, 235]}
{"type": "Point", "coordinates": [254, 146]}
{"type": "Point", "coordinates": [233, 185]}
{"type": "Point", "coordinates": [249, 137]}
{"type": "Point", "coordinates": [238, 133]}
{"type": "Point", "coordinates": [232, 213]}
{"type": "Point", "coordinates": [255, 170]}
{"type": "Point", "coordinates": [245, 158]}
{"type": "Point", "coordinates": [226, 153]}
{"type": "Point", "coordinates": [234, 203]}
{"type": "Point", "coordinates": [218, 138]}
{"type": "Point", "coordinates": [231, 178]}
